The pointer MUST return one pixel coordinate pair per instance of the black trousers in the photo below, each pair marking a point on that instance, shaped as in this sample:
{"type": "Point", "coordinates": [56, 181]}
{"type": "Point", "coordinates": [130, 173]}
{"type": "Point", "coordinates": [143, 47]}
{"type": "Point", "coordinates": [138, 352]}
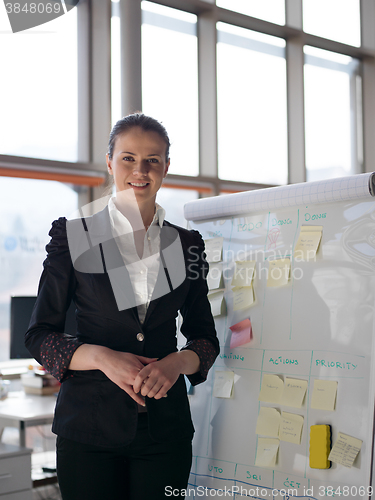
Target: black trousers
{"type": "Point", "coordinates": [142, 470]}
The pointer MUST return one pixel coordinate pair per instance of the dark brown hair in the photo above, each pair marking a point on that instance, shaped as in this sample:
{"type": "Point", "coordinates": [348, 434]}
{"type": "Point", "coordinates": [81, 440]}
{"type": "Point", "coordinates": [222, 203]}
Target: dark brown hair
{"type": "Point", "coordinates": [146, 123]}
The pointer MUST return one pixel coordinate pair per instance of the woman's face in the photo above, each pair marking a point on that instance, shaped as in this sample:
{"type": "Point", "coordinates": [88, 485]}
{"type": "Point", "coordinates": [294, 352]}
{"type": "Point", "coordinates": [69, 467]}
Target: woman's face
{"type": "Point", "coordinates": [138, 162]}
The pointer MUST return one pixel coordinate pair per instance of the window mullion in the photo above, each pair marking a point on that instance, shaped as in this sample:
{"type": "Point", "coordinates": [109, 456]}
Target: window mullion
{"type": "Point", "coordinates": [131, 54]}
{"type": "Point", "coordinates": [207, 95]}
{"type": "Point", "coordinates": [368, 84]}
{"type": "Point", "coordinates": [367, 13]}
{"type": "Point", "coordinates": [83, 61]}
{"type": "Point", "coordinates": [368, 96]}
{"type": "Point", "coordinates": [293, 13]}
{"type": "Point", "coordinates": [295, 104]}
{"type": "Point", "coordinates": [295, 94]}
{"type": "Point", "coordinates": [100, 79]}
{"type": "Point", "coordinates": [354, 136]}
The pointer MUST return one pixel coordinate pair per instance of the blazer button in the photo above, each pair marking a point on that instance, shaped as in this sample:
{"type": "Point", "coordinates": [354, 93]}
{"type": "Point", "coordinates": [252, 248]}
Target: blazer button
{"type": "Point", "coordinates": [140, 337]}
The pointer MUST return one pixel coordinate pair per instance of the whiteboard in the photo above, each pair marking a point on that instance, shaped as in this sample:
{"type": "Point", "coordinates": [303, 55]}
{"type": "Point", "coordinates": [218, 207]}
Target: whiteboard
{"type": "Point", "coordinates": [318, 326]}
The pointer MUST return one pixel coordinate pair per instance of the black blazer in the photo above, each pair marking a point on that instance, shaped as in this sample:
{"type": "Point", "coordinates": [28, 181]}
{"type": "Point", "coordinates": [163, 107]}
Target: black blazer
{"type": "Point", "coordinates": [91, 408]}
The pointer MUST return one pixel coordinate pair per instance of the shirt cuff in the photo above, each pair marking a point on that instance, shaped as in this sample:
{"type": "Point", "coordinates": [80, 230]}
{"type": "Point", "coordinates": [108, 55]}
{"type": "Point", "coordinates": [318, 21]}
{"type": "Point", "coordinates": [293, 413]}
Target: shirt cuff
{"type": "Point", "coordinates": [207, 355]}
{"type": "Point", "coordinates": [56, 352]}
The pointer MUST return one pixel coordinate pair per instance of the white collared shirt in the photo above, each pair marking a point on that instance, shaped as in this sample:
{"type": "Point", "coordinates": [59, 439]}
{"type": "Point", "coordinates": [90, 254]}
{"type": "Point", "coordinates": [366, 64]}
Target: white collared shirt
{"type": "Point", "coordinates": [143, 272]}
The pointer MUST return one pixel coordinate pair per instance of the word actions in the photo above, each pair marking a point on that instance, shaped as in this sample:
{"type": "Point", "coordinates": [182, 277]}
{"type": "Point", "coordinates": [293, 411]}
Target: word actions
{"type": "Point", "coordinates": [283, 361]}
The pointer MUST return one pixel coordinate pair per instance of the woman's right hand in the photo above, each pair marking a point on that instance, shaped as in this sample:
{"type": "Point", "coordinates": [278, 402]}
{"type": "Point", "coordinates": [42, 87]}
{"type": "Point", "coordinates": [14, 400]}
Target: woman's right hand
{"type": "Point", "coordinates": [120, 367]}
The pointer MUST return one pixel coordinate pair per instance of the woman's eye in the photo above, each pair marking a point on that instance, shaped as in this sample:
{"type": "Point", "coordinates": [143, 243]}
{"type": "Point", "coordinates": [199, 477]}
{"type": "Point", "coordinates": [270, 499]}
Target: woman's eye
{"type": "Point", "coordinates": [153, 160]}
{"type": "Point", "coordinates": [128, 158]}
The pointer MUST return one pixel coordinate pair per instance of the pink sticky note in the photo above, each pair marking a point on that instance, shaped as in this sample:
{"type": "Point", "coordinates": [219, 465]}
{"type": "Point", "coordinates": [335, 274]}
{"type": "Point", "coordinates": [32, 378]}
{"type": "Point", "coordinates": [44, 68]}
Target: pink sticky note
{"type": "Point", "coordinates": [242, 333]}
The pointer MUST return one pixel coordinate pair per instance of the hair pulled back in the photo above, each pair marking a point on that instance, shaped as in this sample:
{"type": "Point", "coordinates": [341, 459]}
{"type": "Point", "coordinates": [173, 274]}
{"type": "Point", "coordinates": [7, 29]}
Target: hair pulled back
{"type": "Point", "coordinates": [146, 123]}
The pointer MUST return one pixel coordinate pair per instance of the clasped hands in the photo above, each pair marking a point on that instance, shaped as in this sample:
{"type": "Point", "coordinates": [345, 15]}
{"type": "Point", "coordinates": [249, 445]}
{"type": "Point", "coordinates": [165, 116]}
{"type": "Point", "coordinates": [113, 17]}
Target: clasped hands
{"type": "Point", "coordinates": [141, 376]}
{"type": "Point", "coordinates": [137, 375]}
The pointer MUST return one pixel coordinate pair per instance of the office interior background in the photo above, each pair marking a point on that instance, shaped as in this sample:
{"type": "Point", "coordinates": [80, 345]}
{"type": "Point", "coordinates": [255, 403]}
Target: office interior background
{"type": "Point", "coordinates": [254, 93]}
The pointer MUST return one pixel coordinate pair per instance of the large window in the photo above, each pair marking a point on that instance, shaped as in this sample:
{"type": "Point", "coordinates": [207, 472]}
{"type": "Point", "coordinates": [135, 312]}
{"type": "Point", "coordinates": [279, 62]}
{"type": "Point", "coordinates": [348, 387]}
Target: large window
{"type": "Point", "coordinates": [265, 105]}
{"type": "Point", "coordinates": [252, 123]}
{"type": "Point", "coordinates": [170, 80]}
{"type": "Point", "coordinates": [27, 209]}
{"type": "Point", "coordinates": [332, 112]}
{"type": "Point", "coordinates": [38, 90]}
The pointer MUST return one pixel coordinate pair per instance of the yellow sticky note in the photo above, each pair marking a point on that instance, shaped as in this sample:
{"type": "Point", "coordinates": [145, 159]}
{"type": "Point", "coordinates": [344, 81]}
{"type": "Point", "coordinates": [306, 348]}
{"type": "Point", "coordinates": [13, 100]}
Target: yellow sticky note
{"type": "Point", "coordinates": [244, 273]}
{"type": "Point", "coordinates": [320, 445]}
{"type": "Point", "coordinates": [215, 276]}
{"type": "Point", "coordinates": [243, 296]}
{"type": "Point", "coordinates": [345, 450]}
{"type": "Point", "coordinates": [268, 422]}
{"type": "Point", "coordinates": [291, 427]}
{"type": "Point", "coordinates": [223, 385]}
{"type": "Point", "coordinates": [267, 449]}
{"type": "Point", "coordinates": [217, 303]}
{"type": "Point", "coordinates": [324, 395]}
{"type": "Point", "coordinates": [308, 242]}
{"type": "Point", "coordinates": [278, 272]}
{"type": "Point", "coordinates": [294, 392]}
{"type": "Point", "coordinates": [272, 388]}
{"type": "Point", "coordinates": [214, 249]}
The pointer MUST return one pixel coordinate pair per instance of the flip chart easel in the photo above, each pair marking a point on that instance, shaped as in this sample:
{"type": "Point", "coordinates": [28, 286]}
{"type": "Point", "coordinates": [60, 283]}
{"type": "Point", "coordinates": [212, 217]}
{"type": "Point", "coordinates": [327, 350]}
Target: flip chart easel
{"type": "Point", "coordinates": [318, 326]}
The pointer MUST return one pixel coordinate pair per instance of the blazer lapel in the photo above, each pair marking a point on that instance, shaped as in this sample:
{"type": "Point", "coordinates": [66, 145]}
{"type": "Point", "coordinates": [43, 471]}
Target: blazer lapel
{"type": "Point", "coordinates": [172, 271]}
{"type": "Point", "coordinates": [101, 235]}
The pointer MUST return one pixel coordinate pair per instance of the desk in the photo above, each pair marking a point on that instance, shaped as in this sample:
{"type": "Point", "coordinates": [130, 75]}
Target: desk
{"type": "Point", "coordinates": [26, 410]}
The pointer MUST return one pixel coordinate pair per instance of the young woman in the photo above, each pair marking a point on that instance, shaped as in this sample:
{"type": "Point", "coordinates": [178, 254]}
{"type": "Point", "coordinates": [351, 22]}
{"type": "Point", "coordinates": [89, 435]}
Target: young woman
{"type": "Point", "coordinates": [122, 416]}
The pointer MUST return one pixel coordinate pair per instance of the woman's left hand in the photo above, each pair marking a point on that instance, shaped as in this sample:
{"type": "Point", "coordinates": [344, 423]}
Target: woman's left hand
{"type": "Point", "coordinates": [155, 379]}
